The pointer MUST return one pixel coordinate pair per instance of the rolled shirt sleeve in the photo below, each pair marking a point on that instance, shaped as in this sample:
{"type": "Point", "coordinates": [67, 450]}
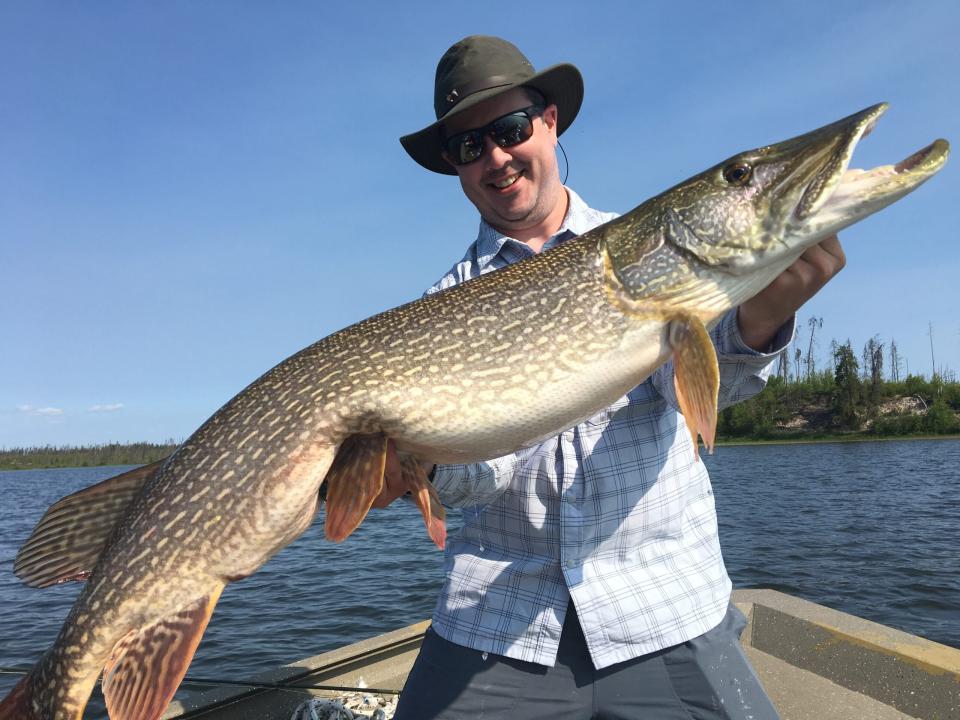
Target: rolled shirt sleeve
{"type": "Point", "coordinates": [474, 483]}
{"type": "Point", "coordinates": [743, 370]}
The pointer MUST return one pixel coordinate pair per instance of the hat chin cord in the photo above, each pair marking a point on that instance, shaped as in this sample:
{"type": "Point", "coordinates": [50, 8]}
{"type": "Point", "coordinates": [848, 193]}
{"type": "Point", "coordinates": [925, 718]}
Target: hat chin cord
{"type": "Point", "coordinates": [566, 164]}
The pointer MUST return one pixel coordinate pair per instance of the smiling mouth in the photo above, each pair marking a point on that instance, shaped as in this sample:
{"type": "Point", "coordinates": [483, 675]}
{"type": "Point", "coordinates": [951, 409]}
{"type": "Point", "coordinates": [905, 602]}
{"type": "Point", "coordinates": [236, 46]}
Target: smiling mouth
{"type": "Point", "coordinates": [506, 182]}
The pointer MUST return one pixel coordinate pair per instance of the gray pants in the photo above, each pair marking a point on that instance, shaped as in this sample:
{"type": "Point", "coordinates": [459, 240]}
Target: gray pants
{"type": "Point", "coordinates": [707, 678]}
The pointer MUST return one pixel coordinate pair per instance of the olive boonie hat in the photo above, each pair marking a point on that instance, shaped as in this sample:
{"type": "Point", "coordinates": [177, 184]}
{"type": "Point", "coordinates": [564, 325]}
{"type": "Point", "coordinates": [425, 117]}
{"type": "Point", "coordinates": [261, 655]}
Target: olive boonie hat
{"type": "Point", "coordinates": [478, 68]}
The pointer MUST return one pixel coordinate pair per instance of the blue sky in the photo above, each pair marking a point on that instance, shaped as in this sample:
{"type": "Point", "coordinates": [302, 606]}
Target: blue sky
{"type": "Point", "coordinates": [190, 192]}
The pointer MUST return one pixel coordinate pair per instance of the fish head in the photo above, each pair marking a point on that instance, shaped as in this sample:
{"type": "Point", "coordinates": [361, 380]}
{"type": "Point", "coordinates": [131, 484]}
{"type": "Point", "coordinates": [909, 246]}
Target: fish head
{"type": "Point", "coordinates": [742, 222]}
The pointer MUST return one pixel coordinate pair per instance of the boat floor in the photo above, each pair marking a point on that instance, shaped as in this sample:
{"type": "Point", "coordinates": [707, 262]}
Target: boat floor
{"type": "Point", "coordinates": [803, 695]}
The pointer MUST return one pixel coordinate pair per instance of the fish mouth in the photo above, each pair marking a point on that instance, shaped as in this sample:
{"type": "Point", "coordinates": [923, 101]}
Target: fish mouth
{"type": "Point", "coordinates": [838, 195]}
{"type": "Point", "coordinates": [886, 183]}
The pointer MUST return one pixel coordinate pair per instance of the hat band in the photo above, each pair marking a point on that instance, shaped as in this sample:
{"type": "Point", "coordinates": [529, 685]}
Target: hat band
{"type": "Point", "coordinates": [458, 94]}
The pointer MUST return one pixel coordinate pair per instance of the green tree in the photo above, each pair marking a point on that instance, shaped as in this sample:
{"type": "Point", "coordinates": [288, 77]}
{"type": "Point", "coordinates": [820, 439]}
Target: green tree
{"type": "Point", "coordinates": [848, 391]}
{"type": "Point", "coordinates": [940, 419]}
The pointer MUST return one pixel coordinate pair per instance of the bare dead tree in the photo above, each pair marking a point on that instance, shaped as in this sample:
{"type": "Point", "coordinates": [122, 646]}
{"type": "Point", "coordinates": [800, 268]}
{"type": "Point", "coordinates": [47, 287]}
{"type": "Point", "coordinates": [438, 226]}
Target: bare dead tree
{"type": "Point", "coordinates": [876, 367]}
{"type": "Point", "coordinates": [894, 362]}
{"type": "Point", "coordinates": [813, 323]}
{"type": "Point", "coordinates": [783, 366]}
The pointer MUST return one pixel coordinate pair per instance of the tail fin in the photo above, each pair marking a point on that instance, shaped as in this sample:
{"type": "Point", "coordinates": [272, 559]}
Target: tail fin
{"type": "Point", "coordinates": [139, 679]}
{"type": "Point", "coordinates": [148, 663]}
{"type": "Point", "coordinates": [48, 691]}
{"type": "Point", "coordinates": [16, 705]}
{"type": "Point", "coordinates": [19, 705]}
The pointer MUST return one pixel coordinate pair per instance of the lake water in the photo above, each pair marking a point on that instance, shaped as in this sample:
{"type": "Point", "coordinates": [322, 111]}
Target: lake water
{"type": "Point", "coordinates": [868, 528]}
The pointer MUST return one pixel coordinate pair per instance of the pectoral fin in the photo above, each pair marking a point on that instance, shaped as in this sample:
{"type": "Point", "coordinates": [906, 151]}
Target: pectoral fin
{"type": "Point", "coordinates": [426, 498]}
{"type": "Point", "coordinates": [68, 540]}
{"type": "Point", "coordinates": [696, 378]}
{"type": "Point", "coordinates": [148, 663]}
{"type": "Point", "coordinates": [353, 482]}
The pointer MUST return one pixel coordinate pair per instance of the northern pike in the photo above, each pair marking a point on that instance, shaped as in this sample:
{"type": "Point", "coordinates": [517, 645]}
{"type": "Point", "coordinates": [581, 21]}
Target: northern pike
{"type": "Point", "coordinates": [471, 373]}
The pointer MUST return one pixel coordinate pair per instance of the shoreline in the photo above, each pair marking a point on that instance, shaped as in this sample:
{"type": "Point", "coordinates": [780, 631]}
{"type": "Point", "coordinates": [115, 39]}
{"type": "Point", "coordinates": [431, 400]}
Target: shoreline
{"type": "Point", "coordinates": [732, 442]}
{"type": "Point", "coordinates": [838, 439]}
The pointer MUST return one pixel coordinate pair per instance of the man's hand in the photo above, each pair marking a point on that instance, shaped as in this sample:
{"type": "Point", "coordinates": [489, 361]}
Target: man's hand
{"type": "Point", "coordinates": [761, 316]}
{"type": "Point", "coordinates": [393, 483]}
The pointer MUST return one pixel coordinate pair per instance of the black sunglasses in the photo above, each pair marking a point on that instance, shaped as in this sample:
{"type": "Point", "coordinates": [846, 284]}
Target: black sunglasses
{"type": "Point", "coordinates": [511, 129]}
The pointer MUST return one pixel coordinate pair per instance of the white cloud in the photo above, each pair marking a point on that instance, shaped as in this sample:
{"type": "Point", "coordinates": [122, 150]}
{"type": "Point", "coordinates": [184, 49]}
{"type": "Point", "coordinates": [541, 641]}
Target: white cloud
{"type": "Point", "coordinates": [44, 411]}
{"type": "Point", "coordinates": [109, 407]}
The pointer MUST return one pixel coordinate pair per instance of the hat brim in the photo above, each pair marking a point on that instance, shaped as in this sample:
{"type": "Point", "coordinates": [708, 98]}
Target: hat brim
{"type": "Point", "coordinates": [560, 85]}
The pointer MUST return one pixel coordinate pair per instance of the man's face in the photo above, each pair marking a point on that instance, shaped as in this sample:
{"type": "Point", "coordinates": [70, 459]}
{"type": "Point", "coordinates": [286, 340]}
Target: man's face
{"type": "Point", "coordinates": [514, 188]}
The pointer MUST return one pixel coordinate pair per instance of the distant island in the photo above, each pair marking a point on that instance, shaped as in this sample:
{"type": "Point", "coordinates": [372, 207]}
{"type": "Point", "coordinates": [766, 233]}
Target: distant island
{"type": "Point", "coordinates": [839, 404]}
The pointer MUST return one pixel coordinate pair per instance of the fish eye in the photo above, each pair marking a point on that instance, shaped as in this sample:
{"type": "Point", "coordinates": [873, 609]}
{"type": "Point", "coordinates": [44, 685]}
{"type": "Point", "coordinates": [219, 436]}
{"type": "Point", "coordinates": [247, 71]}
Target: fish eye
{"type": "Point", "coordinates": [737, 173]}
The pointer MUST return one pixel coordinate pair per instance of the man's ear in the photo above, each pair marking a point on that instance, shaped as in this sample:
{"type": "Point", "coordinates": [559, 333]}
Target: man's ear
{"type": "Point", "coordinates": [447, 158]}
{"type": "Point", "coordinates": [550, 116]}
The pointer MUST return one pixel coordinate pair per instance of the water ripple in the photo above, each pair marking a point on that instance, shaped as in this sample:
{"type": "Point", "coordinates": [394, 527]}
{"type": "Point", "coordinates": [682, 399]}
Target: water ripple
{"type": "Point", "coordinates": [867, 528]}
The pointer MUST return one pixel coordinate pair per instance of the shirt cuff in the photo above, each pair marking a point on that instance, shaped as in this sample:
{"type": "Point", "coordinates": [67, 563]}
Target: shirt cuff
{"type": "Point", "coordinates": [730, 341]}
{"type": "Point", "coordinates": [474, 483]}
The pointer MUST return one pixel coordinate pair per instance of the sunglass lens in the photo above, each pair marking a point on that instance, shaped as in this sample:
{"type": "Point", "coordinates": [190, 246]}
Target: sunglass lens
{"type": "Point", "coordinates": [512, 130]}
{"type": "Point", "coordinates": [465, 147]}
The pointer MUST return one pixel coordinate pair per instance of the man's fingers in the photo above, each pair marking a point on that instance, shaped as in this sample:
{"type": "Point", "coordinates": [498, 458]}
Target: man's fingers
{"type": "Point", "coordinates": [393, 460]}
{"type": "Point", "coordinates": [393, 486]}
{"type": "Point", "coordinates": [825, 260]}
{"type": "Point", "coordinates": [771, 307]}
{"type": "Point", "coordinates": [813, 269]}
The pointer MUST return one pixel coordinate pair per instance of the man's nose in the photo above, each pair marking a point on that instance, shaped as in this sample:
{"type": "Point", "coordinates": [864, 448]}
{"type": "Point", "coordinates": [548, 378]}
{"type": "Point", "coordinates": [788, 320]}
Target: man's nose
{"type": "Point", "coordinates": [496, 155]}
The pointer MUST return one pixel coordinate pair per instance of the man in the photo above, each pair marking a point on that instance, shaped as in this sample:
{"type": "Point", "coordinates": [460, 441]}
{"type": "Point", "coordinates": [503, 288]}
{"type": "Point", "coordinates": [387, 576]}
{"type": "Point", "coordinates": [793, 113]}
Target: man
{"type": "Point", "coordinates": [587, 580]}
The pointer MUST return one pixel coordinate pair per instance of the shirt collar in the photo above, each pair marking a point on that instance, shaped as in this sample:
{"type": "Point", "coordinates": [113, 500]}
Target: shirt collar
{"type": "Point", "coordinates": [491, 242]}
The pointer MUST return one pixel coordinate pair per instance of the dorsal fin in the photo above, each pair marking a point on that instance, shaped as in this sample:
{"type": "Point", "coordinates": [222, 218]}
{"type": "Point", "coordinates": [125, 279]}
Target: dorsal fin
{"type": "Point", "coordinates": [148, 663]}
{"type": "Point", "coordinates": [67, 542]}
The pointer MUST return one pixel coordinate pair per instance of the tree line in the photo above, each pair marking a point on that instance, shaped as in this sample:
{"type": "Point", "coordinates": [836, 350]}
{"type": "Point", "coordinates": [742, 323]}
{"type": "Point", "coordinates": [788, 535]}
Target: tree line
{"type": "Point", "coordinates": [49, 456]}
{"type": "Point", "coordinates": [878, 358]}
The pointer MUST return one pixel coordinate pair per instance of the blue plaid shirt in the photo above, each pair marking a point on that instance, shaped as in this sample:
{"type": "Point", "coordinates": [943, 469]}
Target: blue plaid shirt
{"type": "Point", "coordinates": [613, 513]}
